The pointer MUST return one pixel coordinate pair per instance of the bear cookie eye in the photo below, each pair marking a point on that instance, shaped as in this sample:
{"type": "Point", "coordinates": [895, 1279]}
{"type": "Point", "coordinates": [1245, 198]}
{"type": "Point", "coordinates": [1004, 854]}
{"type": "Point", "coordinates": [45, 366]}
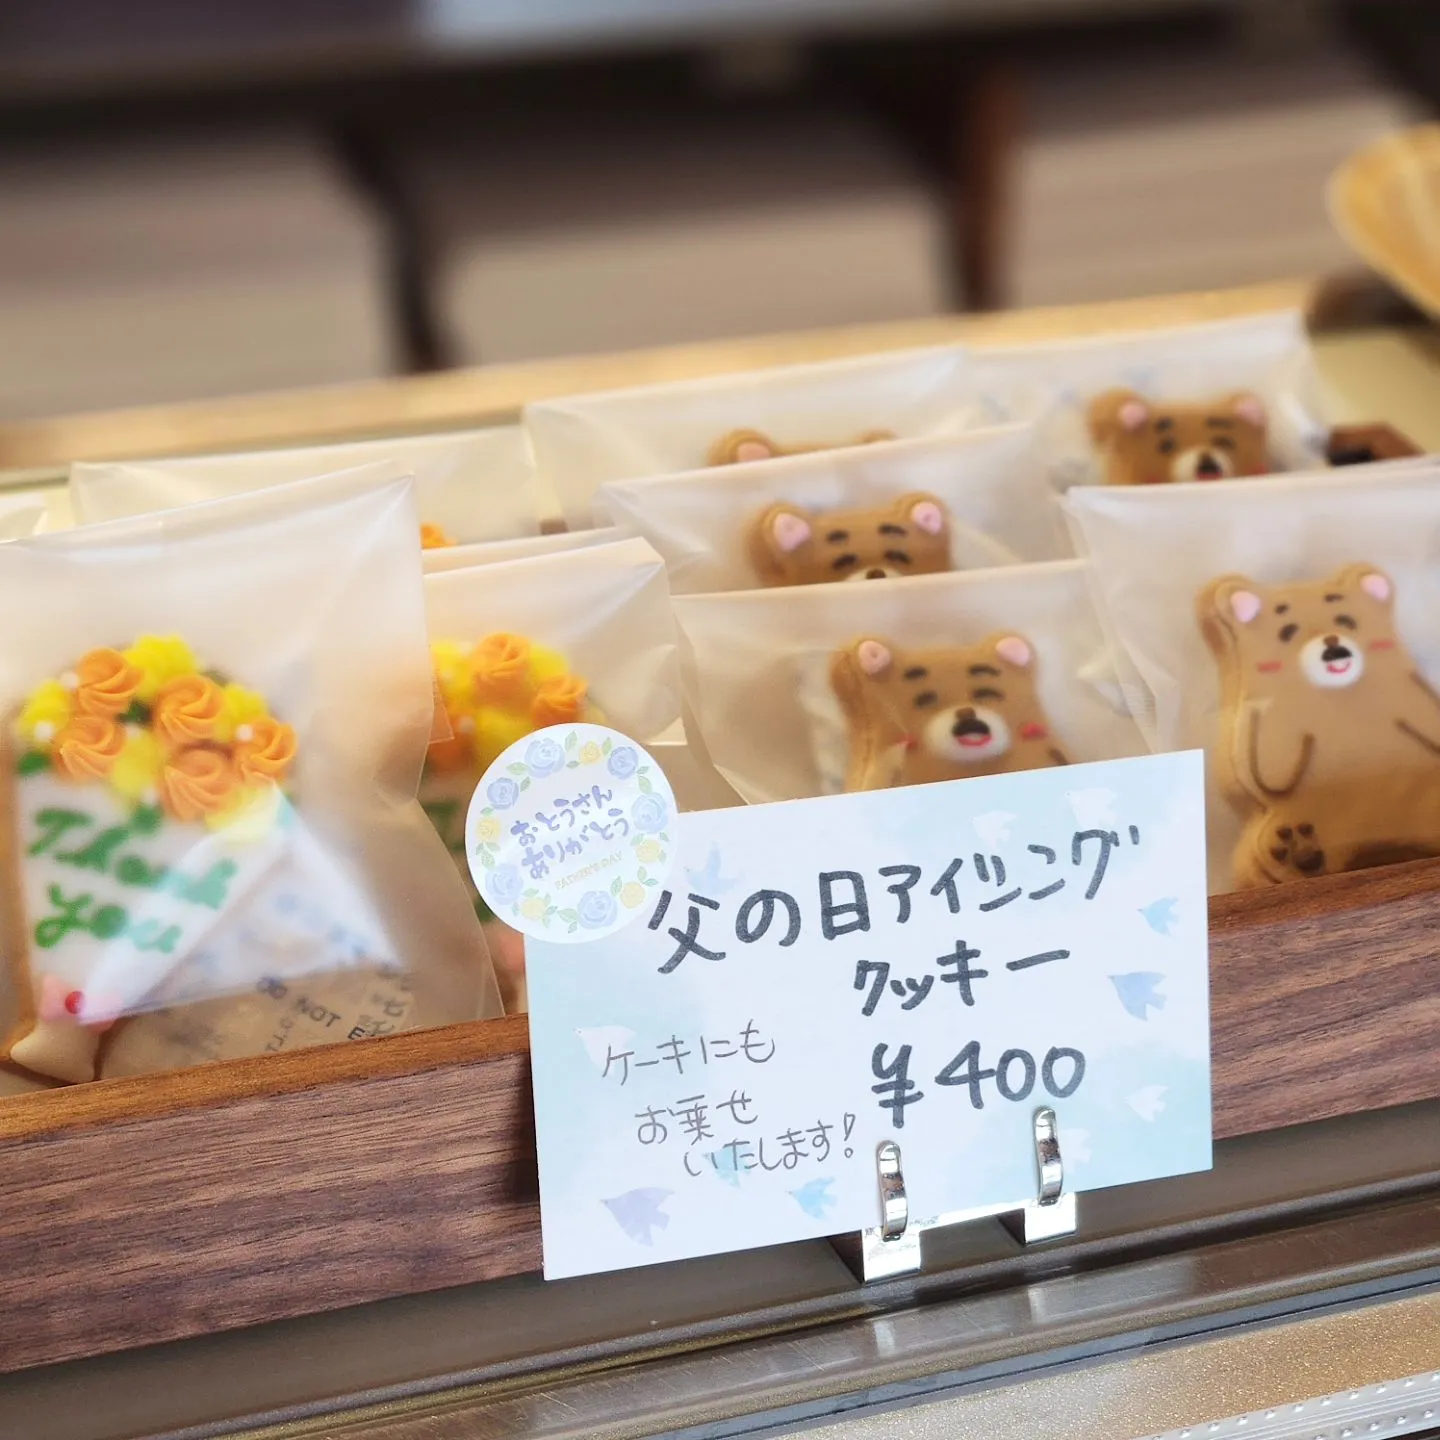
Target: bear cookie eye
{"type": "Point", "coordinates": [916, 672]}
{"type": "Point", "coordinates": [1345, 622]}
{"type": "Point", "coordinates": [837, 537]}
{"type": "Point", "coordinates": [897, 557]}
{"type": "Point", "coordinates": [925, 699]}
{"type": "Point", "coordinates": [986, 692]}
{"type": "Point", "coordinates": [844, 562]}
{"type": "Point", "coordinates": [893, 530]}
{"type": "Point", "coordinates": [1289, 632]}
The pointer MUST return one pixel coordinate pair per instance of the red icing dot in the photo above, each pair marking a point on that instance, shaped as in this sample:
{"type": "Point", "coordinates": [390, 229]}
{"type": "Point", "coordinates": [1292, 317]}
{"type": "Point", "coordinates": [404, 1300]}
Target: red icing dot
{"type": "Point", "coordinates": [1268, 667]}
{"type": "Point", "coordinates": [1033, 731]}
{"type": "Point", "coordinates": [73, 1002]}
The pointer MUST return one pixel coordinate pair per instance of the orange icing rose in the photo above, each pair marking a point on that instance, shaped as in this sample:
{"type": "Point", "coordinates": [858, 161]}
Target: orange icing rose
{"type": "Point", "coordinates": [87, 748]}
{"type": "Point", "coordinates": [558, 700]}
{"type": "Point", "coordinates": [264, 749]}
{"type": "Point", "coordinates": [106, 683]}
{"type": "Point", "coordinates": [187, 710]}
{"type": "Point", "coordinates": [432, 537]}
{"type": "Point", "coordinates": [500, 663]}
{"type": "Point", "coordinates": [196, 783]}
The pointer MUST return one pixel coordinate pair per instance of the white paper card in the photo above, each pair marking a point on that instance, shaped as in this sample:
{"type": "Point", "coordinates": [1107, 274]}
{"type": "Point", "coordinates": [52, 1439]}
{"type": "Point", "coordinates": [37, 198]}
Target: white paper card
{"type": "Point", "coordinates": [718, 1075]}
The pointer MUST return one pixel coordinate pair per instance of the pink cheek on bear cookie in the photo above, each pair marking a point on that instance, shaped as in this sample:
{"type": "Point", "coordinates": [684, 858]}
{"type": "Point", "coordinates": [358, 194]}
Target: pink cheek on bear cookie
{"type": "Point", "coordinates": [1382, 644]}
{"type": "Point", "coordinates": [1268, 667]}
{"type": "Point", "coordinates": [1034, 731]}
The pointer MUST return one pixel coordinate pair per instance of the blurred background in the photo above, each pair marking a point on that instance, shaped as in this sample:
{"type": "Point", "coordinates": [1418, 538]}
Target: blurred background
{"type": "Point", "coordinates": [203, 197]}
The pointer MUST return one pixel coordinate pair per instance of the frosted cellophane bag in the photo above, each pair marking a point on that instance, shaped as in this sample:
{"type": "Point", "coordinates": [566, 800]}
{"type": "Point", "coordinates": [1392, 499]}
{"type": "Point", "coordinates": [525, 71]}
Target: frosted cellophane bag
{"type": "Point", "coordinates": [1154, 550]}
{"type": "Point", "coordinates": [519, 645]}
{"type": "Point", "coordinates": [494, 552]}
{"type": "Point", "coordinates": [757, 670]}
{"type": "Point", "coordinates": [989, 485]}
{"type": "Point", "coordinates": [21, 515]}
{"type": "Point", "coordinates": [1051, 385]}
{"type": "Point", "coordinates": [582, 441]}
{"type": "Point", "coordinates": [470, 485]}
{"type": "Point", "coordinates": [215, 720]}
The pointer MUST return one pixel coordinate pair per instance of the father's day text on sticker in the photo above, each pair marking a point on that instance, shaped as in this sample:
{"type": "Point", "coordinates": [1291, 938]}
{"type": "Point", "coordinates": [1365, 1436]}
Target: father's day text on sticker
{"type": "Point", "coordinates": [927, 965]}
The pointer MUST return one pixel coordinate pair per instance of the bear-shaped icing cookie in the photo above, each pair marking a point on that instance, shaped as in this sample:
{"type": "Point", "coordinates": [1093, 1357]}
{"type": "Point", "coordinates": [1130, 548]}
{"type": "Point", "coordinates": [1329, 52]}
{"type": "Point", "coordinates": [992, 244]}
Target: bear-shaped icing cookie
{"type": "Point", "coordinates": [1329, 735]}
{"type": "Point", "coordinates": [1144, 442]}
{"type": "Point", "coordinates": [739, 447]}
{"type": "Point", "coordinates": [790, 545]}
{"type": "Point", "coordinates": [945, 713]}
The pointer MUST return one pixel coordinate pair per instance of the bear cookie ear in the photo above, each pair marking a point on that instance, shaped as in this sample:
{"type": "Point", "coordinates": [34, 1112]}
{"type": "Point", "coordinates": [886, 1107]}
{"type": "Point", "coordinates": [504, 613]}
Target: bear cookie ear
{"type": "Point", "coordinates": [924, 512]}
{"type": "Point", "coordinates": [1014, 650]}
{"type": "Point", "coordinates": [1233, 600]}
{"type": "Point", "coordinates": [786, 529]}
{"type": "Point", "coordinates": [742, 446]}
{"type": "Point", "coordinates": [1115, 413]}
{"type": "Point", "coordinates": [872, 656]}
{"type": "Point", "coordinates": [1247, 407]}
{"type": "Point", "coordinates": [1369, 580]}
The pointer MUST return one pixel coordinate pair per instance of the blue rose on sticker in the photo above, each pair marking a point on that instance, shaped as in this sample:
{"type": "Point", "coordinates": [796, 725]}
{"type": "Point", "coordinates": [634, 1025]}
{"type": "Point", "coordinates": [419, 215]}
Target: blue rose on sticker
{"type": "Point", "coordinates": [502, 793]}
{"type": "Point", "coordinates": [504, 883]}
{"type": "Point", "coordinates": [649, 814]}
{"type": "Point", "coordinates": [544, 757]}
{"type": "Point", "coordinates": [623, 762]}
{"type": "Point", "coordinates": [596, 909]}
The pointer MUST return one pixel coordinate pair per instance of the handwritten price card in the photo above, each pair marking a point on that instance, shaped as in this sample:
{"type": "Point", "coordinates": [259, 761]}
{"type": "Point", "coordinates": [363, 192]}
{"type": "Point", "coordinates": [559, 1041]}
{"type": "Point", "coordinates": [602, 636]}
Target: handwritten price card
{"type": "Point", "coordinates": [927, 965]}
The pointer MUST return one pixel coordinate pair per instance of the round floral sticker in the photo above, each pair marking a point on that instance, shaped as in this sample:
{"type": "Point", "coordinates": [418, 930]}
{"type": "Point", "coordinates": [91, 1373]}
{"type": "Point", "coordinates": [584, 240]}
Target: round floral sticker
{"type": "Point", "coordinates": [570, 832]}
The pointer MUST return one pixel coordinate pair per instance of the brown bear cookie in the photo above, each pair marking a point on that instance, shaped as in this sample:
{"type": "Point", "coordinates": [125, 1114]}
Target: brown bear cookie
{"type": "Point", "coordinates": [916, 716]}
{"type": "Point", "coordinates": [792, 546]}
{"type": "Point", "coordinates": [741, 446]}
{"type": "Point", "coordinates": [1141, 442]}
{"type": "Point", "coordinates": [1329, 735]}
{"type": "Point", "coordinates": [1364, 444]}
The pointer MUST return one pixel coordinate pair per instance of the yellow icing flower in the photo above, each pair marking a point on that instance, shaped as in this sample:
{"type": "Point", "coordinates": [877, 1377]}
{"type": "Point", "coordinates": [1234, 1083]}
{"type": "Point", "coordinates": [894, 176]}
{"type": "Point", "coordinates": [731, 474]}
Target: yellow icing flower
{"type": "Point", "coordinates": [238, 706]}
{"type": "Point", "coordinates": [533, 908]}
{"type": "Point", "coordinates": [46, 713]}
{"type": "Point", "coordinates": [648, 852]}
{"type": "Point", "coordinates": [632, 894]}
{"type": "Point", "coordinates": [546, 664]}
{"type": "Point", "coordinates": [432, 537]}
{"type": "Point", "coordinates": [496, 730]}
{"type": "Point", "coordinates": [252, 816]}
{"type": "Point", "coordinates": [136, 774]}
{"type": "Point", "coordinates": [159, 659]}
{"type": "Point", "coordinates": [487, 831]}
{"type": "Point", "coordinates": [589, 753]}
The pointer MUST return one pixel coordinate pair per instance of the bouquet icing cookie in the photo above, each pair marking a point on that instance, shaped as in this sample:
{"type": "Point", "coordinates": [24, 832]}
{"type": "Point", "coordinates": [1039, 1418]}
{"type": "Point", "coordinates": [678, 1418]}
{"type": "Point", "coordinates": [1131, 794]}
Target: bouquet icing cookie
{"type": "Point", "coordinates": [433, 537]}
{"type": "Point", "coordinates": [790, 545]}
{"type": "Point", "coordinates": [147, 798]}
{"type": "Point", "coordinates": [1330, 736]}
{"type": "Point", "coordinates": [944, 713]}
{"type": "Point", "coordinates": [494, 693]}
{"type": "Point", "coordinates": [1141, 442]}
{"type": "Point", "coordinates": [740, 447]}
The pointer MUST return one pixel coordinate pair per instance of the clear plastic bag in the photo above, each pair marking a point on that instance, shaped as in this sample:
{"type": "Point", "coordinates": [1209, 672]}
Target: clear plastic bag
{"type": "Point", "coordinates": [1155, 550]}
{"type": "Point", "coordinates": [470, 485]}
{"type": "Point", "coordinates": [214, 742]}
{"type": "Point", "coordinates": [989, 486]}
{"type": "Point", "coordinates": [1051, 385]}
{"type": "Point", "coordinates": [758, 669]}
{"type": "Point", "coordinates": [582, 441]}
{"type": "Point", "coordinates": [518, 645]}
{"type": "Point", "coordinates": [494, 552]}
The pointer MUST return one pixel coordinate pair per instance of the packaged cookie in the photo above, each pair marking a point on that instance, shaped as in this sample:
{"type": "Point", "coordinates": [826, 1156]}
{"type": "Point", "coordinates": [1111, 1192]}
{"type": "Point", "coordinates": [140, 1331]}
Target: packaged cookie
{"type": "Point", "coordinates": [209, 835]}
{"type": "Point", "coordinates": [523, 644]}
{"type": "Point", "coordinates": [1215, 401]}
{"type": "Point", "coordinates": [494, 552]}
{"type": "Point", "coordinates": [1288, 629]}
{"type": "Point", "coordinates": [909, 508]}
{"type": "Point", "coordinates": [819, 690]}
{"type": "Point", "coordinates": [470, 485]}
{"type": "Point", "coordinates": [581, 442]}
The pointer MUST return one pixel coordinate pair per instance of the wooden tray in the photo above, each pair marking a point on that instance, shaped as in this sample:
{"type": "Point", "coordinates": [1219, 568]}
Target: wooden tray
{"type": "Point", "coordinates": [141, 1210]}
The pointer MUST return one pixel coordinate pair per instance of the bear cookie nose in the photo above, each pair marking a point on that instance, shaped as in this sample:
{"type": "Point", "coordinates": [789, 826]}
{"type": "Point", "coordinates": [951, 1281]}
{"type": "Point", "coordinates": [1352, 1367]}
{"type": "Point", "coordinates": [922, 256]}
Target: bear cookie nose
{"type": "Point", "coordinates": [1208, 467]}
{"type": "Point", "coordinates": [967, 722]}
{"type": "Point", "coordinates": [875, 573]}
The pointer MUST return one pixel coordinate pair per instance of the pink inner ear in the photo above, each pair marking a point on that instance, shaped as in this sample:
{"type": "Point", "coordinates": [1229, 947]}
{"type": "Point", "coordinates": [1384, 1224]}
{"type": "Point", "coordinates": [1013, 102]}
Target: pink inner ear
{"type": "Point", "coordinates": [929, 517]}
{"type": "Point", "coordinates": [1013, 649]}
{"type": "Point", "coordinates": [1248, 408]}
{"type": "Point", "coordinates": [1245, 606]}
{"type": "Point", "coordinates": [754, 450]}
{"type": "Point", "coordinates": [1133, 414]}
{"type": "Point", "coordinates": [873, 657]}
{"type": "Point", "coordinates": [790, 531]}
{"type": "Point", "coordinates": [1377, 587]}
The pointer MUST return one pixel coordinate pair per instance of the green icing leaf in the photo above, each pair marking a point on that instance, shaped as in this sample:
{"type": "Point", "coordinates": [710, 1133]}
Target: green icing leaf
{"type": "Point", "coordinates": [147, 819]}
{"type": "Point", "coordinates": [32, 762]}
